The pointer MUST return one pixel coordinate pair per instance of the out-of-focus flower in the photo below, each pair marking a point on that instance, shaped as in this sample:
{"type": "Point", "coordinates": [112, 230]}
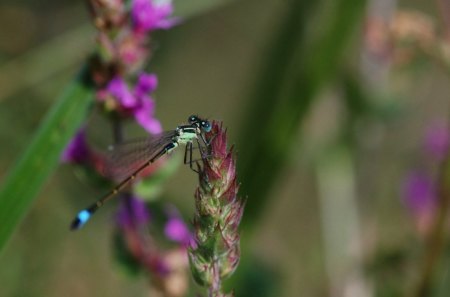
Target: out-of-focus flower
{"type": "Point", "coordinates": [132, 212]}
{"type": "Point", "coordinates": [218, 213]}
{"type": "Point", "coordinates": [175, 283]}
{"type": "Point", "coordinates": [168, 268]}
{"type": "Point", "coordinates": [413, 26]}
{"type": "Point", "coordinates": [123, 37]}
{"type": "Point", "coordinates": [420, 196]}
{"type": "Point", "coordinates": [144, 116]}
{"type": "Point", "coordinates": [176, 230]}
{"type": "Point", "coordinates": [118, 88]}
{"type": "Point", "coordinates": [136, 102]}
{"type": "Point", "coordinates": [77, 151]}
{"type": "Point", "coordinates": [437, 140]}
{"type": "Point", "coordinates": [147, 83]}
{"type": "Point", "coordinates": [402, 38]}
{"type": "Point", "coordinates": [419, 192]}
{"type": "Point", "coordinates": [107, 13]}
{"type": "Point", "coordinates": [148, 15]}
{"type": "Point", "coordinates": [132, 52]}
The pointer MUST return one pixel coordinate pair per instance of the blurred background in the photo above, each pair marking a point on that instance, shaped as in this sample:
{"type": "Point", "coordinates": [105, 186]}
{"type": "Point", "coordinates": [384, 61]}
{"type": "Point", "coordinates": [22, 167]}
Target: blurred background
{"type": "Point", "coordinates": [338, 110]}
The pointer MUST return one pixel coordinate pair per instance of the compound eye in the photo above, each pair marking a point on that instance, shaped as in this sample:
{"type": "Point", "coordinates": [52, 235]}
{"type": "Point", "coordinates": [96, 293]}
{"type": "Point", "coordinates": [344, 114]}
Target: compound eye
{"type": "Point", "coordinates": [192, 119]}
{"type": "Point", "coordinates": [206, 126]}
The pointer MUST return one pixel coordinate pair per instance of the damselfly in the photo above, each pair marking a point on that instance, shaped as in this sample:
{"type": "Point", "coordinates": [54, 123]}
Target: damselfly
{"type": "Point", "coordinates": [153, 149]}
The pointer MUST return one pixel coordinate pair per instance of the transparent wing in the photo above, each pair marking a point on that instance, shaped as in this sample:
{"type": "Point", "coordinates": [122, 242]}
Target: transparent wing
{"type": "Point", "coordinates": [124, 158]}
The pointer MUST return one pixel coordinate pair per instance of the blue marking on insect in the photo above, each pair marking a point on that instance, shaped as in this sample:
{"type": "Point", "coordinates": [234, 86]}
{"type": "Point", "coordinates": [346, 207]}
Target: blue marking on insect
{"type": "Point", "coordinates": [83, 216]}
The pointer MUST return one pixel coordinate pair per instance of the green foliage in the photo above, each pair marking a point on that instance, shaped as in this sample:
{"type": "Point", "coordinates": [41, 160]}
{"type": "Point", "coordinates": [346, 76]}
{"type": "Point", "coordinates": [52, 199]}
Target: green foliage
{"type": "Point", "coordinates": [42, 155]}
{"type": "Point", "coordinates": [294, 71]}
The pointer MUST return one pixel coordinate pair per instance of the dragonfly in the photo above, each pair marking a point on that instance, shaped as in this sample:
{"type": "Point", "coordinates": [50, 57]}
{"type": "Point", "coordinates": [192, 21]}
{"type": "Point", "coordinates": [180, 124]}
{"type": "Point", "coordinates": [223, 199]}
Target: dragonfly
{"type": "Point", "coordinates": [151, 150]}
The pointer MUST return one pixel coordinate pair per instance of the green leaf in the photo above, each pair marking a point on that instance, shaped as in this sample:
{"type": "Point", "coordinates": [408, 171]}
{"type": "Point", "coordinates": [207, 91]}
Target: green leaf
{"type": "Point", "coordinates": [42, 155]}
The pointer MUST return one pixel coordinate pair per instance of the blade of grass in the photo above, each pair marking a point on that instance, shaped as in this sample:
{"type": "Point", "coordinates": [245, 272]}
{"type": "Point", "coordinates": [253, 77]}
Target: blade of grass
{"type": "Point", "coordinates": [42, 155]}
{"type": "Point", "coordinates": [275, 65]}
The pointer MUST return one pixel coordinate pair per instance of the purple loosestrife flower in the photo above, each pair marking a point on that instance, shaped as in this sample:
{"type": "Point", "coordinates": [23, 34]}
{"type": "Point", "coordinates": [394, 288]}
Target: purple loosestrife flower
{"type": "Point", "coordinates": [132, 212]}
{"type": "Point", "coordinates": [124, 91]}
{"type": "Point", "coordinates": [118, 88]}
{"type": "Point", "coordinates": [149, 15]}
{"type": "Point", "coordinates": [437, 140]}
{"type": "Point", "coordinates": [168, 269]}
{"type": "Point", "coordinates": [176, 229]}
{"type": "Point", "coordinates": [147, 83]}
{"type": "Point", "coordinates": [137, 102]}
{"type": "Point", "coordinates": [218, 213]}
{"type": "Point", "coordinates": [77, 151]}
{"type": "Point", "coordinates": [420, 196]}
{"type": "Point", "coordinates": [419, 192]}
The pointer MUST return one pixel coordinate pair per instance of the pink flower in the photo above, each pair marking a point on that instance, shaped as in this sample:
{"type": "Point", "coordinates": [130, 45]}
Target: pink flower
{"type": "Point", "coordinates": [138, 101]}
{"type": "Point", "coordinates": [118, 88]}
{"type": "Point", "coordinates": [419, 193]}
{"type": "Point", "coordinates": [147, 83]}
{"type": "Point", "coordinates": [132, 212]}
{"type": "Point", "coordinates": [77, 151]}
{"type": "Point", "coordinates": [420, 196]}
{"type": "Point", "coordinates": [177, 231]}
{"type": "Point", "coordinates": [144, 115]}
{"type": "Point", "coordinates": [149, 15]}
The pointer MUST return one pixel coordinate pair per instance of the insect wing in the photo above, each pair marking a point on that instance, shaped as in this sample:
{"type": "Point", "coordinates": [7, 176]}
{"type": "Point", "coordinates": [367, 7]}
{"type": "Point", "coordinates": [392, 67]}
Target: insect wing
{"type": "Point", "coordinates": [124, 158]}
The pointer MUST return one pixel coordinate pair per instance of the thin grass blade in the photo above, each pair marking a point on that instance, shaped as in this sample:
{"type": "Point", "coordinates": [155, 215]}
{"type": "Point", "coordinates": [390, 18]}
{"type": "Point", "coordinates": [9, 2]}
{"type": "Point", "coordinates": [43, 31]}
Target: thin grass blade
{"type": "Point", "coordinates": [41, 157]}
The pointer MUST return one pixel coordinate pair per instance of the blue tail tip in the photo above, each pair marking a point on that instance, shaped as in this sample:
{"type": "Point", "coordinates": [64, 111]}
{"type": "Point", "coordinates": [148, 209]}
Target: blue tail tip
{"type": "Point", "coordinates": [82, 217]}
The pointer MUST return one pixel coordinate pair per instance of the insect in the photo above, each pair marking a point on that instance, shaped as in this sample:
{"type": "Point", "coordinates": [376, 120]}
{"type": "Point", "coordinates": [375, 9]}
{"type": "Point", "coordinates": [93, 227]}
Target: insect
{"type": "Point", "coordinates": [152, 149]}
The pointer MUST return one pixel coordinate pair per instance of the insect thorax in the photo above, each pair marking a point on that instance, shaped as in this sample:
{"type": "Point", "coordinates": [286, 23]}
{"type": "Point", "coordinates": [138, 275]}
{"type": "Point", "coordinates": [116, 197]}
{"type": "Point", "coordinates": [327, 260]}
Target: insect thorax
{"type": "Point", "coordinates": [186, 134]}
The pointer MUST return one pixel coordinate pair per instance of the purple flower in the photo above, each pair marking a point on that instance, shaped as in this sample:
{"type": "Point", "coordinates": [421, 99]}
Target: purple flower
{"type": "Point", "coordinates": [144, 116]}
{"type": "Point", "coordinates": [437, 140]}
{"type": "Point", "coordinates": [77, 151]}
{"type": "Point", "coordinates": [177, 230]}
{"type": "Point", "coordinates": [419, 193]}
{"type": "Point", "coordinates": [147, 83]}
{"type": "Point", "coordinates": [132, 212]}
{"type": "Point", "coordinates": [137, 102]}
{"type": "Point", "coordinates": [118, 88]}
{"type": "Point", "coordinates": [148, 15]}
